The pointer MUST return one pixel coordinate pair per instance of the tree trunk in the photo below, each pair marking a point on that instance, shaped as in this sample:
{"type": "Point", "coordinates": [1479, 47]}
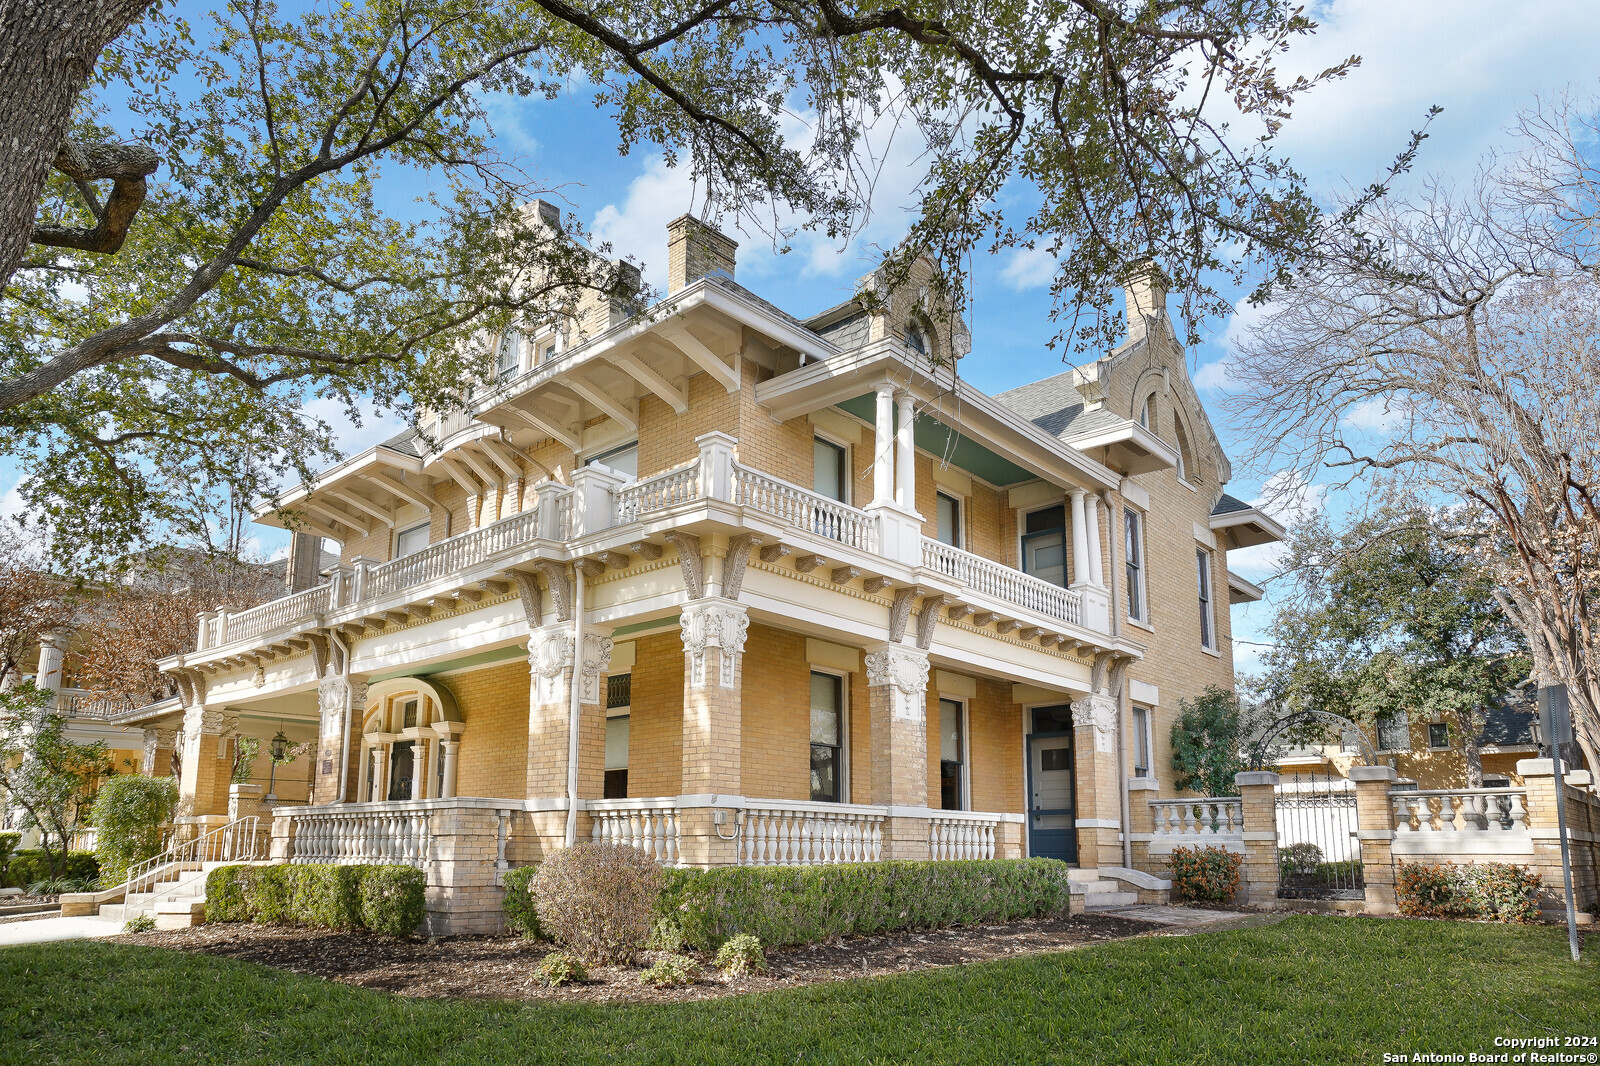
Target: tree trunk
{"type": "Point", "coordinates": [47, 50]}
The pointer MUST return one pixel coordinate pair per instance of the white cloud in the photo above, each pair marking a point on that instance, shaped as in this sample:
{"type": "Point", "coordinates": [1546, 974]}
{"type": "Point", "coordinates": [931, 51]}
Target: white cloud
{"type": "Point", "coordinates": [1375, 416]}
{"type": "Point", "coordinates": [1213, 376]}
{"type": "Point", "coordinates": [639, 226]}
{"type": "Point", "coordinates": [1028, 268]}
{"type": "Point", "coordinates": [1290, 497]}
{"type": "Point", "coordinates": [351, 438]}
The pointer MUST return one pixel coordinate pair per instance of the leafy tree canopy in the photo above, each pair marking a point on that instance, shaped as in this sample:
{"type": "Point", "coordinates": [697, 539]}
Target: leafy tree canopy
{"type": "Point", "coordinates": [1393, 615]}
{"type": "Point", "coordinates": [1208, 742]}
{"type": "Point", "coordinates": [258, 265]}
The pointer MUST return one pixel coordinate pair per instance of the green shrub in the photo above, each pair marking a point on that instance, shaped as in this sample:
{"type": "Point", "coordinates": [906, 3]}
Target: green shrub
{"type": "Point", "coordinates": [559, 968]}
{"type": "Point", "coordinates": [741, 955]}
{"type": "Point", "coordinates": [665, 935]}
{"type": "Point", "coordinates": [522, 918]}
{"type": "Point", "coordinates": [54, 886]}
{"type": "Point", "coordinates": [807, 904]}
{"type": "Point", "coordinates": [225, 895]}
{"type": "Point", "coordinates": [129, 811]}
{"type": "Point", "coordinates": [1302, 858]}
{"type": "Point", "coordinates": [8, 844]}
{"type": "Point", "coordinates": [671, 970]}
{"type": "Point", "coordinates": [32, 865]}
{"type": "Point", "coordinates": [1499, 891]}
{"type": "Point", "coordinates": [382, 899]}
{"type": "Point", "coordinates": [139, 923]}
{"type": "Point", "coordinates": [1206, 873]}
{"type": "Point", "coordinates": [598, 900]}
{"type": "Point", "coordinates": [393, 899]}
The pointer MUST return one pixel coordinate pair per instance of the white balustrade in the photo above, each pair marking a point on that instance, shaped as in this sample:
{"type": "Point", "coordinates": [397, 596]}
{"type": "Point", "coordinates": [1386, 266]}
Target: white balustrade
{"type": "Point", "coordinates": [657, 493]}
{"type": "Point", "coordinates": [269, 617]}
{"type": "Point", "coordinates": [962, 836]}
{"type": "Point", "coordinates": [804, 508]}
{"type": "Point", "coordinates": [1003, 582]}
{"type": "Point", "coordinates": [649, 825]}
{"type": "Point", "coordinates": [450, 557]}
{"type": "Point", "coordinates": [1460, 811]}
{"type": "Point", "coordinates": [817, 834]}
{"type": "Point", "coordinates": [347, 837]}
{"type": "Point", "coordinates": [1188, 823]}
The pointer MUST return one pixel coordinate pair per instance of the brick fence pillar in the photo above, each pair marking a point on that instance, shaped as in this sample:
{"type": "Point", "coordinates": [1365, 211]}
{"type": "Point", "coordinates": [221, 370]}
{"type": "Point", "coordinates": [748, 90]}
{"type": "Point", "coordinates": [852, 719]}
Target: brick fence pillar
{"type": "Point", "coordinates": [897, 683]}
{"type": "Point", "coordinates": [713, 631]}
{"type": "Point", "coordinates": [1538, 776]}
{"type": "Point", "coordinates": [1259, 791]}
{"type": "Point", "coordinates": [1375, 832]}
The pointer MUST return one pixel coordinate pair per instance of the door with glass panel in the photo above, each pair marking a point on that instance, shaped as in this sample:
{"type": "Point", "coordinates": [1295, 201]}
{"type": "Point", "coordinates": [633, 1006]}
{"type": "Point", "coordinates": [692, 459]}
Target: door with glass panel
{"type": "Point", "coordinates": [1052, 786]}
{"type": "Point", "coordinates": [1044, 544]}
{"type": "Point", "coordinates": [402, 765]}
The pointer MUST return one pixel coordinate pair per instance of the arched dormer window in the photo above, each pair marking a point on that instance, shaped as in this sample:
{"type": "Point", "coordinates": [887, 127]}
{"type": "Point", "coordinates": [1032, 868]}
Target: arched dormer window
{"type": "Point", "coordinates": [411, 732]}
{"type": "Point", "coordinates": [1147, 411]}
{"type": "Point", "coordinates": [508, 358]}
{"type": "Point", "coordinates": [1186, 468]}
{"type": "Point", "coordinates": [916, 338]}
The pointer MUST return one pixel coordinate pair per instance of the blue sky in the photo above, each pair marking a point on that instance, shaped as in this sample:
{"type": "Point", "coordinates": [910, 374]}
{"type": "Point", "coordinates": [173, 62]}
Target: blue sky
{"type": "Point", "coordinates": [1476, 58]}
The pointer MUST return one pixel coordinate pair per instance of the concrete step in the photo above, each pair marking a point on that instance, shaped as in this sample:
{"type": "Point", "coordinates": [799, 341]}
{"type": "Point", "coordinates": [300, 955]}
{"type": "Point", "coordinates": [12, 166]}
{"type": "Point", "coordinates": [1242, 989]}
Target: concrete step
{"type": "Point", "coordinates": [1100, 901]}
{"type": "Point", "coordinates": [112, 911]}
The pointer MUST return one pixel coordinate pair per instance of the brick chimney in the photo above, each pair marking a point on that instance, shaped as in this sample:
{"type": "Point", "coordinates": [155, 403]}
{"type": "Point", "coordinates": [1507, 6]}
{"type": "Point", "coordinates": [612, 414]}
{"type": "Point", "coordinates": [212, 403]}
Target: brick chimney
{"type": "Point", "coordinates": [1145, 290]}
{"type": "Point", "coordinates": [695, 250]}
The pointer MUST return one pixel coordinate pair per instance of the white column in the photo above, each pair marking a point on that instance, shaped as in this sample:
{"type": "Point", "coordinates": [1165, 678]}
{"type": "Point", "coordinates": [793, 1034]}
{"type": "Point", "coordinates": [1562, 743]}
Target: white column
{"type": "Point", "coordinates": [51, 657]}
{"type": "Point", "coordinates": [449, 788]}
{"type": "Point", "coordinates": [905, 469]}
{"type": "Point", "coordinates": [1092, 534]}
{"type": "Point", "coordinates": [1080, 541]}
{"type": "Point", "coordinates": [883, 446]}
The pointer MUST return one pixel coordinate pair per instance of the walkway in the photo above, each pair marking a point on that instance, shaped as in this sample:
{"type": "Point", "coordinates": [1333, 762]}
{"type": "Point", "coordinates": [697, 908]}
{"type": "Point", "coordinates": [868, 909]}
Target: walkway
{"type": "Point", "coordinates": [1194, 919]}
{"type": "Point", "coordinates": [44, 930]}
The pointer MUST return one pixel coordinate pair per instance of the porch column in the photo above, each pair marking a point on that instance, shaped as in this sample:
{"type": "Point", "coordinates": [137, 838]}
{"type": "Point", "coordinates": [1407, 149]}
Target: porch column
{"type": "Point", "coordinates": [1091, 530]}
{"type": "Point", "coordinates": [1080, 538]}
{"type": "Point", "coordinates": [205, 765]}
{"type": "Point", "coordinates": [1099, 812]}
{"type": "Point", "coordinates": [449, 747]}
{"type": "Point", "coordinates": [552, 666]}
{"type": "Point", "coordinates": [905, 467]}
{"type": "Point", "coordinates": [897, 685]}
{"type": "Point", "coordinates": [713, 631]}
{"type": "Point", "coordinates": [883, 446]}
{"type": "Point", "coordinates": [158, 750]}
{"type": "Point", "coordinates": [341, 708]}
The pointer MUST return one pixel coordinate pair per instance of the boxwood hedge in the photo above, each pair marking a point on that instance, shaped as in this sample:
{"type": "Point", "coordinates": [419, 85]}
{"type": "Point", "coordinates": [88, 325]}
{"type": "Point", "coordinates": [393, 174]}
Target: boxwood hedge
{"type": "Point", "coordinates": [383, 899]}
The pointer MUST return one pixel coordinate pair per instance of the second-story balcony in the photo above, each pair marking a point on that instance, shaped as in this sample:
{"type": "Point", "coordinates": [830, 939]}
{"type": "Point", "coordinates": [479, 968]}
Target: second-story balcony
{"type": "Point", "coordinates": [603, 517]}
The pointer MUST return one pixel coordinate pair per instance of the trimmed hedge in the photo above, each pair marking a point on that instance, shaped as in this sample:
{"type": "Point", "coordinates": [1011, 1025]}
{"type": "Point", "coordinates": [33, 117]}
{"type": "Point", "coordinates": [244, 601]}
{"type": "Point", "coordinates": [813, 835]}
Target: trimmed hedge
{"type": "Point", "coordinates": [382, 899]}
{"type": "Point", "coordinates": [1205, 873]}
{"type": "Point", "coordinates": [522, 917]}
{"type": "Point", "coordinates": [807, 904]}
{"type": "Point", "coordinates": [1497, 891]}
{"type": "Point", "coordinates": [31, 865]}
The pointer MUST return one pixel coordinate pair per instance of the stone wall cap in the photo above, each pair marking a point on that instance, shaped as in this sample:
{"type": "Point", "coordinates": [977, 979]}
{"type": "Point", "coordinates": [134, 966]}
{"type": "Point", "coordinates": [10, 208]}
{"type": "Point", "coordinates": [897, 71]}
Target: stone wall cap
{"type": "Point", "coordinates": [1536, 767]}
{"type": "Point", "coordinates": [1373, 773]}
{"type": "Point", "coordinates": [1255, 777]}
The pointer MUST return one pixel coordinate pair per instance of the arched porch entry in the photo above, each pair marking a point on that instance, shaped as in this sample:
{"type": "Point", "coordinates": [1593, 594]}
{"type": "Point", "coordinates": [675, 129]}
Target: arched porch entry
{"type": "Point", "coordinates": [411, 735]}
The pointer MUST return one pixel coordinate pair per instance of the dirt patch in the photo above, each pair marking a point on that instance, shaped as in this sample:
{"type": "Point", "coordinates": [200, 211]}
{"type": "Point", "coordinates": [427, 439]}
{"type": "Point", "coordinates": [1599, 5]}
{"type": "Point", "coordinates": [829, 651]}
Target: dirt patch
{"type": "Point", "coordinates": [498, 967]}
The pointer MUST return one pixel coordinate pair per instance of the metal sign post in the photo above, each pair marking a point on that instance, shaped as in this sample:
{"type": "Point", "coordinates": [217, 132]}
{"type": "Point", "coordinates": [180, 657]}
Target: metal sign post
{"type": "Point", "coordinates": [1555, 718]}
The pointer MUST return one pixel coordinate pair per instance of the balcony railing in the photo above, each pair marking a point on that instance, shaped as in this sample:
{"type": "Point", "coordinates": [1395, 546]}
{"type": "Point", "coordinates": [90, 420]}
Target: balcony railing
{"type": "Point", "coordinates": [962, 835]}
{"type": "Point", "coordinates": [804, 509]}
{"type": "Point", "coordinates": [1216, 820]}
{"type": "Point", "coordinates": [438, 561]}
{"type": "Point", "coordinates": [658, 493]}
{"type": "Point", "coordinates": [80, 704]}
{"type": "Point", "coordinates": [1002, 582]}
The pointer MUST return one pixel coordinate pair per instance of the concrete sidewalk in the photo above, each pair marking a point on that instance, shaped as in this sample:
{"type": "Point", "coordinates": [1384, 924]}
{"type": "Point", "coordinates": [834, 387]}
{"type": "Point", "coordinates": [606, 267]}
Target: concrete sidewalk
{"type": "Point", "coordinates": [45, 930]}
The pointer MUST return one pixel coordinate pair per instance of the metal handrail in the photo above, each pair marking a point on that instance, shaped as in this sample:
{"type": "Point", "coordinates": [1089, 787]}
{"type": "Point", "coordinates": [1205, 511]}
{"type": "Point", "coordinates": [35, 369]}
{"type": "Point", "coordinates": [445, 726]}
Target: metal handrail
{"type": "Point", "coordinates": [238, 841]}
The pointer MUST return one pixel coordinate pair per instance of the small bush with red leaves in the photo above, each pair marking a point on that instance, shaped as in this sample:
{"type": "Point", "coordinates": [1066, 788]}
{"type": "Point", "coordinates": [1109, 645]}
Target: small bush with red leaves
{"type": "Point", "coordinates": [598, 900]}
{"type": "Point", "coordinates": [1498, 891]}
{"type": "Point", "coordinates": [1209, 874]}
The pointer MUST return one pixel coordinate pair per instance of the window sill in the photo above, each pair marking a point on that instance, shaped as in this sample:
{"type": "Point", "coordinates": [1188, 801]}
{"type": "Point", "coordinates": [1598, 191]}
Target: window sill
{"type": "Point", "coordinates": [1146, 626]}
{"type": "Point", "coordinates": [1211, 651]}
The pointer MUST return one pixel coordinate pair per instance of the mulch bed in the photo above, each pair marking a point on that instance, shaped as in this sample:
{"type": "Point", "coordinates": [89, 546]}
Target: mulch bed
{"type": "Point", "coordinates": [498, 967]}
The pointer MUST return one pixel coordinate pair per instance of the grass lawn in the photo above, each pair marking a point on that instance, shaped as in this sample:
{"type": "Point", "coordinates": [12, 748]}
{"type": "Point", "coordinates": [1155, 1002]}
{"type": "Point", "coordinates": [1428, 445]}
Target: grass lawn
{"type": "Point", "coordinates": [1315, 990]}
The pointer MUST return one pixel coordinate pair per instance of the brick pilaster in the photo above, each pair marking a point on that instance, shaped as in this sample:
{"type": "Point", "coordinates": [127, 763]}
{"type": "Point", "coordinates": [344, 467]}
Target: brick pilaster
{"type": "Point", "coordinates": [714, 631]}
{"type": "Point", "coordinates": [897, 680]}
{"type": "Point", "coordinates": [203, 786]}
{"type": "Point", "coordinates": [1375, 831]}
{"type": "Point", "coordinates": [1099, 804]}
{"type": "Point", "coordinates": [552, 667]}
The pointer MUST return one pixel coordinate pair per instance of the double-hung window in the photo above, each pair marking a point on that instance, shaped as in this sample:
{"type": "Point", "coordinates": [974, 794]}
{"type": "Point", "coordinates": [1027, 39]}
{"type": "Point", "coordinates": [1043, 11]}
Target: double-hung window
{"type": "Point", "coordinates": [1044, 544]}
{"type": "Point", "coordinates": [827, 736]}
{"type": "Point", "coordinates": [949, 519]}
{"type": "Point", "coordinates": [1141, 742]}
{"type": "Point", "coordinates": [1202, 560]}
{"type": "Point", "coordinates": [1438, 735]}
{"type": "Point", "coordinates": [1394, 732]}
{"type": "Point", "coordinates": [623, 460]}
{"type": "Point", "coordinates": [829, 470]}
{"type": "Point", "coordinates": [952, 755]}
{"type": "Point", "coordinates": [410, 541]}
{"type": "Point", "coordinates": [1133, 552]}
{"type": "Point", "coordinates": [508, 360]}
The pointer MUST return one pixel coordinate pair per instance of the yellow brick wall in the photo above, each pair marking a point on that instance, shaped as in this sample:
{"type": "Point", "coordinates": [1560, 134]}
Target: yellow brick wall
{"type": "Point", "coordinates": [666, 438]}
{"type": "Point", "coordinates": [493, 703]}
{"type": "Point", "coordinates": [655, 726]}
{"type": "Point", "coordinates": [777, 720]}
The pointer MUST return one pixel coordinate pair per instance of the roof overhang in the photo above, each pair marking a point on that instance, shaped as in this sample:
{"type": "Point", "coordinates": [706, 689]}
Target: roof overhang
{"type": "Point", "coordinates": [944, 397]}
{"type": "Point", "coordinates": [1129, 447]}
{"type": "Point", "coordinates": [1248, 527]}
{"type": "Point", "coordinates": [1242, 591]}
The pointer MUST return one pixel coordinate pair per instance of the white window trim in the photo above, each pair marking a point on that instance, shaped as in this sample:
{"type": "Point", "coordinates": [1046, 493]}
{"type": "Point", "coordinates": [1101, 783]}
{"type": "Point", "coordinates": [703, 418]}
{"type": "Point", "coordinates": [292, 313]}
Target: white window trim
{"type": "Point", "coordinates": [847, 476]}
{"type": "Point", "coordinates": [963, 723]}
{"type": "Point", "coordinates": [1211, 599]}
{"type": "Point", "coordinates": [394, 547]}
{"type": "Point", "coordinates": [1066, 537]}
{"type": "Point", "coordinates": [594, 455]}
{"type": "Point", "coordinates": [844, 729]}
{"type": "Point", "coordinates": [1142, 619]}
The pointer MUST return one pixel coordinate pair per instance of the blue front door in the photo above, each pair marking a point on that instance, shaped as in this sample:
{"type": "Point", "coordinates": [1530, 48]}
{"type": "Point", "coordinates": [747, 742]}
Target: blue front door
{"type": "Point", "coordinates": [1052, 788]}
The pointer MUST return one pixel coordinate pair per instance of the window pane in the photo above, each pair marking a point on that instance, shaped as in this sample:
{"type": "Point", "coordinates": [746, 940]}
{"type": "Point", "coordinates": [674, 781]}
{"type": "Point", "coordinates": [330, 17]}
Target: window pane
{"type": "Point", "coordinates": [624, 460]}
{"type": "Point", "coordinates": [1046, 518]}
{"type": "Point", "coordinates": [1203, 569]}
{"type": "Point", "coordinates": [1135, 556]}
{"type": "Point", "coordinates": [1438, 735]}
{"type": "Point", "coordinates": [950, 731]}
{"type": "Point", "coordinates": [828, 475]}
{"type": "Point", "coordinates": [509, 358]}
{"type": "Point", "coordinates": [1044, 555]}
{"type": "Point", "coordinates": [410, 541]}
{"type": "Point", "coordinates": [617, 742]}
{"type": "Point", "coordinates": [949, 520]}
{"type": "Point", "coordinates": [824, 773]}
{"type": "Point", "coordinates": [408, 714]}
{"type": "Point", "coordinates": [1141, 741]}
{"type": "Point", "coordinates": [824, 709]}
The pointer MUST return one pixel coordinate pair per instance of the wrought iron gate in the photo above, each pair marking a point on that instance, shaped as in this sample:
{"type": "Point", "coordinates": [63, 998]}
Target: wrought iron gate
{"type": "Point", "coordinates": [1319, 856]}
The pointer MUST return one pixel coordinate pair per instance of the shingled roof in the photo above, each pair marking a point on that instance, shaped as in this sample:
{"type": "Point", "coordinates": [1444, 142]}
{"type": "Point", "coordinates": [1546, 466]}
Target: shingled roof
{"type": "Point", "coordinates": [1055, 406]}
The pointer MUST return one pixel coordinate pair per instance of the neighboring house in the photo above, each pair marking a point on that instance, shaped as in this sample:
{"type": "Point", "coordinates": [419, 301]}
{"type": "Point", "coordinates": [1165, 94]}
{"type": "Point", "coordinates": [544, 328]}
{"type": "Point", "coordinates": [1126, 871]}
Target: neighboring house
{"type": "Point", "coordinates": [1430, 755]}
{"type": "Point", "coordinates": [803, 593]}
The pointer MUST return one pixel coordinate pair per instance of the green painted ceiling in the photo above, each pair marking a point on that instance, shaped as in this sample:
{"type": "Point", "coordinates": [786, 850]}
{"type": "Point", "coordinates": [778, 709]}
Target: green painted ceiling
{"type": "Point", "coordinates": [482, 658]}
{"type": "Point", "coordinates": [934, 436]}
